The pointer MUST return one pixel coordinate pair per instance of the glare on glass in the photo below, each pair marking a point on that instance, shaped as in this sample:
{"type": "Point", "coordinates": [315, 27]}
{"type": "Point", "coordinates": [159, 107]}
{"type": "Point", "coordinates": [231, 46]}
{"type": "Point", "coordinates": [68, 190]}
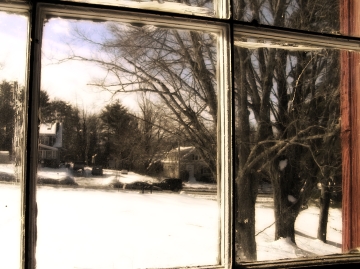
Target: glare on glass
{"type": "Point", "coordinates": [127, 147]}
{"type": "Point", "coordinates": [192, 7]}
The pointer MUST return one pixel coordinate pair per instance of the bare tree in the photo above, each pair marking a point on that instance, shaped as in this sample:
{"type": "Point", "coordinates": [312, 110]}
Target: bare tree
{"type": "Point", "coordinates": [154, 136]}
{"type": "Point", "coordinates": [290, 97]}
{"type": "Point", "coordinates": [277, 91]}
{"type": "Point", "coordinates": [177, 67]}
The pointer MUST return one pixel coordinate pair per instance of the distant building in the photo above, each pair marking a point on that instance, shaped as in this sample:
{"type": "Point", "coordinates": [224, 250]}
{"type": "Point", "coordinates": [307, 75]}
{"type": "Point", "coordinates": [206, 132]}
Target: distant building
{"type": "Point", "coordinates": [187, 164]}
{"type": "Point", "coordinates": [50, 144]}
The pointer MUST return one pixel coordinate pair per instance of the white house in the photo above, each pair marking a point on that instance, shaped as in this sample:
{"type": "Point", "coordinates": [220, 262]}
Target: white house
{"type": "Point", "coordinates": [187, 164]}
{"type": "Point", "coordinates": [50, 144]}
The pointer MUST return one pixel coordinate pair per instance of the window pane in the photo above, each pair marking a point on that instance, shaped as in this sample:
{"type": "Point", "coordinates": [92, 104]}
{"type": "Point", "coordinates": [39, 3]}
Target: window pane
{"type": "Point", "coordinates": [13, 36]}
{"type": "Point", "coordinates": [192, 7]}
{"type": "Point", "coordinates": [124, 109]}
{"type": "Point", "coordinates": [324, 16]}
{"type": "Point", "coordinates": [288, 148]}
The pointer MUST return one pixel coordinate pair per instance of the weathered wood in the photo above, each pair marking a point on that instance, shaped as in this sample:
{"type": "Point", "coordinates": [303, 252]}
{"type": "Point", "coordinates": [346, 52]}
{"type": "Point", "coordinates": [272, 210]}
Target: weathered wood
{"type": "Point", "coordinates": [350, 124]}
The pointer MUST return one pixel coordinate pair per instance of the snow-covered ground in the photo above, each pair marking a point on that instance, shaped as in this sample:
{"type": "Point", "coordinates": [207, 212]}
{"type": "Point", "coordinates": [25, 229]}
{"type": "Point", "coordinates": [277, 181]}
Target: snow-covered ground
{"type": "Point", "coordinates": [9, 226]}
{"type": "Point", "coordinates": [306, 231]}
{"type": "Point", "coordinates": [111, 229]}
{"type": "Point", "coordinates": [109, 176]}
{"type": "Point", "coordinates": [80, 227]}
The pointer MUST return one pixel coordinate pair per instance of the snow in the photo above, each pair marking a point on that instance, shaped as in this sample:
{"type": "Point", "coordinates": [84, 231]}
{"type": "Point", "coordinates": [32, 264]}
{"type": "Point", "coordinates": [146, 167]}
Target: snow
{"type": "Point", "coordinates": [306, 225]}
{"type": "Point", "coordinates": [47, 128]}
{"type": "Point", "coordinates": [200, 185]}
{"type": "Point", "coordinates": [80, 227]}
{"type": "Point", "coordinates": [292, 199]}
{"type": "Point", "coordinates": [60, 173]}
{"type": "Point", "coordinates": [7, 168]}
{"type": "Point", "coordinates": [283, 164]}
{"type": "Point", "coordinates": [111, 229]}
{"type": "Point", "coordinates": [9, 226]}
{"type": "Point", "coordinates": [58, 142]}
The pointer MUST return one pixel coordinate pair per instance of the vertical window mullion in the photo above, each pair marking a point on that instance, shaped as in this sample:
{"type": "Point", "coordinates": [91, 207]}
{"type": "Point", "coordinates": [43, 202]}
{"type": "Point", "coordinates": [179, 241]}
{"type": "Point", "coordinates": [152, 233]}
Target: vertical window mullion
{"type": "Point", "coordinates": [29, 194]}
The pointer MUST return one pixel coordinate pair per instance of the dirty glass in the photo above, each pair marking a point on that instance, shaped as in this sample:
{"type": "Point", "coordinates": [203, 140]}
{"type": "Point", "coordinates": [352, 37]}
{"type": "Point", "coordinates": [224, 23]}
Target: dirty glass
{"type": "Point", "coordinates": [127, 147]}
{"type": "Point", "coordinates": [323, 16]}
{"type": "Point", "coordinates": [13, 36]}
{"type": "Point", "coordinates": [288, 194]}
{"type": "Point", "coordinates": [206, 8]}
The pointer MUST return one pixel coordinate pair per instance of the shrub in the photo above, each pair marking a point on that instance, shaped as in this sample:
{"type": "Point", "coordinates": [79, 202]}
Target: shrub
{"type": "Point", "coordinates": [66, 181]}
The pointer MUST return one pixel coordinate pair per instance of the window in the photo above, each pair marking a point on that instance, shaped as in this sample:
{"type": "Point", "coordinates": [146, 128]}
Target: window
{"type": "Point", "coordinates": [12, 139]}
{"type": "Point", "coordinates": [184, 134]}
{"type": "Point", "coordinates": [149, 91]}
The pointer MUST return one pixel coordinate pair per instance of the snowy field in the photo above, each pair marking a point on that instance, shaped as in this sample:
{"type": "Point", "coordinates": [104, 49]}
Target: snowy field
{"type": "Point", "coordinates": [80, 227]}
{"type": "Point", "coordinates": [110, 229]}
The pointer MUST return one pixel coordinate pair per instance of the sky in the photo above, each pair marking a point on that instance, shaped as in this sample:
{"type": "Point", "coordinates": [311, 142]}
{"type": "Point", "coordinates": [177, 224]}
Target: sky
{"type": "Point", "coordinates": [13, 36]}
{"type": "Point", "coordinates": [67, 81]}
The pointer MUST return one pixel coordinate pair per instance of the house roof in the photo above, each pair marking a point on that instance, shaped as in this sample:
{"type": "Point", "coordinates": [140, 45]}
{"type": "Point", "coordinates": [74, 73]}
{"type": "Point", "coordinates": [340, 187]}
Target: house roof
{"type": "Point", "coordinates": [182, 151]}
{"type": "Point", "coordinates": [42, 146]}
{"type": "Point", "coordinates": [47, 129]}
{"type": "Point", "coordinates": [50, 129]}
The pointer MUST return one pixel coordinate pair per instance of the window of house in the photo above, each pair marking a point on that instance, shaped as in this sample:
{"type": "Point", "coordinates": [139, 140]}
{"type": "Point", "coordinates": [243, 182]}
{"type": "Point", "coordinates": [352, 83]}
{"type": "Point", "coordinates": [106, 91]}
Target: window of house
{"type": "Point", "coordinates": [265, 91]}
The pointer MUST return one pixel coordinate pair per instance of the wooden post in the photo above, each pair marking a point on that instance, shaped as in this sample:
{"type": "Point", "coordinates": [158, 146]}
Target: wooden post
{"type": "Point", "coordinates": [350, 127]}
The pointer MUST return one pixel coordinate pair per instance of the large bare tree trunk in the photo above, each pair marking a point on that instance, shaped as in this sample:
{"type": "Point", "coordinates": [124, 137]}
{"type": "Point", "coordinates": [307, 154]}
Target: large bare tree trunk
{"type": "Point", "coordinates": [286, 203]}
{"type": "Point", "coordinates": [248, 174]}
{"type": "Point", "coordinates": [246, 188]}
{"type": "Point", "coordinates": [246, 183]}
{"type": "Point", "coordinates": [324, 213]}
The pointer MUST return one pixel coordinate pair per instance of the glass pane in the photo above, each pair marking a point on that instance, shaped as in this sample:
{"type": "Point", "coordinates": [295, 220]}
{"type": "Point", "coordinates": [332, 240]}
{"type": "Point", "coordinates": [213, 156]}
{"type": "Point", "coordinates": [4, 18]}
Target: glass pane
{"type": "Point", "coordinates": [13, 36]}
{"type": "Point", "coordinates": [191, 7]}
{"type": "Point", "coordinates": [127, 147]}
{"type": "Point", "coordinates": [289, 165]}
{"type": "Point", "coordinates": [324, 16]}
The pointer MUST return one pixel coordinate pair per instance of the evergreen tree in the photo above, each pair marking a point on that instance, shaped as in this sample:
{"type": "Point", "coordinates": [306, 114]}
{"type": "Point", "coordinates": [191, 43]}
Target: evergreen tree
{"type": "Point", "coordinates": [119, 134]}
{"type": "Point", "coordinates": [7, 113]}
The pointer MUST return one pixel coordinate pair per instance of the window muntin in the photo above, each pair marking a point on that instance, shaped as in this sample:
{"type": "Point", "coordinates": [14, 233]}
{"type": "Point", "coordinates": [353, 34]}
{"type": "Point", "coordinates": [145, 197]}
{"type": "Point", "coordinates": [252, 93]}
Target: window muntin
{"type": "Point", "coordinates": [155, 88]}
{"type": "Point", "coordinates": [12, 127]}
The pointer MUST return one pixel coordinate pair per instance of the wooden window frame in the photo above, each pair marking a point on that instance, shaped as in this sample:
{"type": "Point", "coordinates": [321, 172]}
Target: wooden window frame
{"type": "Point", "coordinates": [350, 113]}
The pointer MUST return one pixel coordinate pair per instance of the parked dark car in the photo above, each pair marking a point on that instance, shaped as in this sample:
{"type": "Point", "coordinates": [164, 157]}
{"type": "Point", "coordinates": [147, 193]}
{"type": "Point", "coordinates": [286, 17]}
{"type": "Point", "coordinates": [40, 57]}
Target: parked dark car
{"type": "Point", "coordinates": [137, 185]}
{"type": "Point", "coordinates": [173, 184]}
{"type": "Point", "coordinates": [97, 170]}
{"type": "Point", "coordinates": [140, 185]}
{"type": "Point", "coordinates": [78, 166]}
